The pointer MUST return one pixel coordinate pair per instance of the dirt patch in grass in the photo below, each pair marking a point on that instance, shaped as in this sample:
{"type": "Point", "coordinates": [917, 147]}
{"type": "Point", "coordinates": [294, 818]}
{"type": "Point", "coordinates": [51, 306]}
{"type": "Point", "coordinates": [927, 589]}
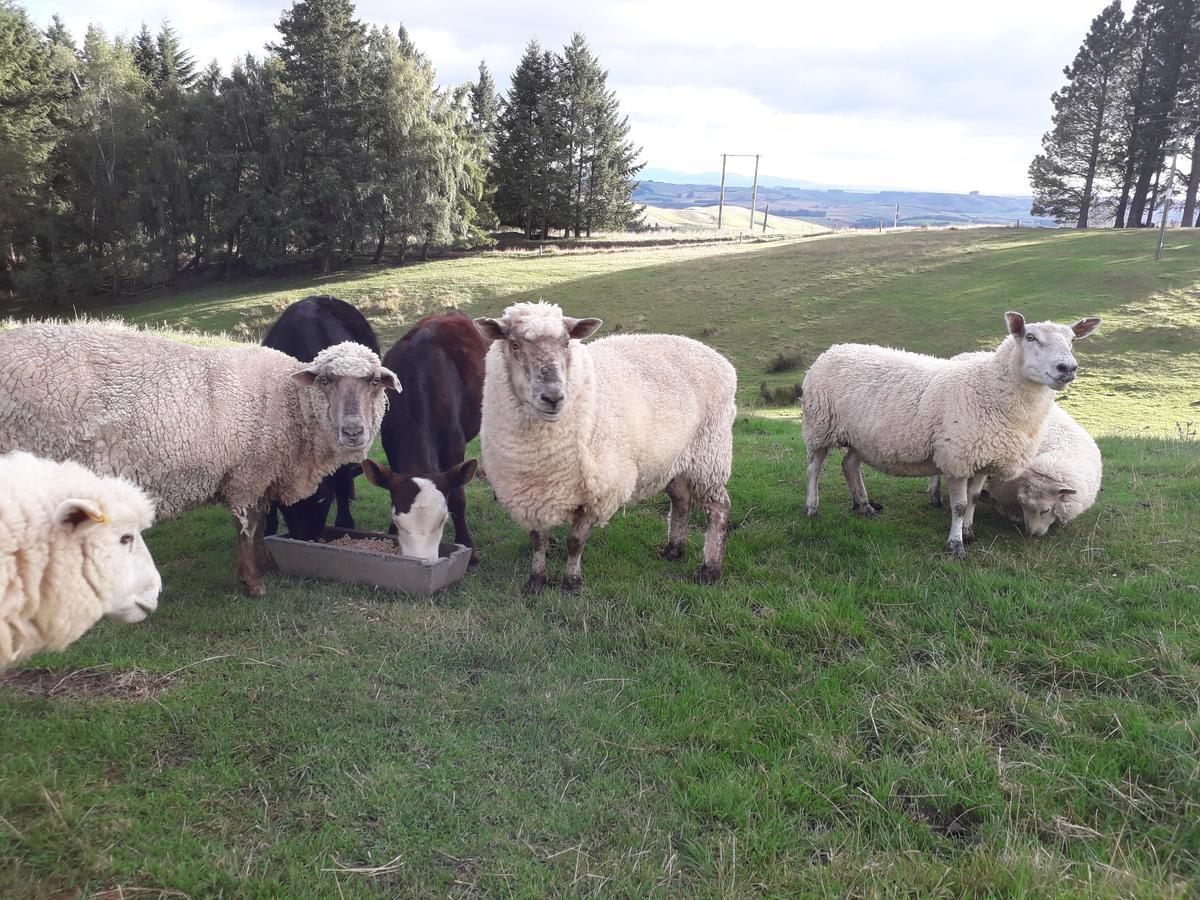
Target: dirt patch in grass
{"type": "Point", "coordinates": [133, 686]}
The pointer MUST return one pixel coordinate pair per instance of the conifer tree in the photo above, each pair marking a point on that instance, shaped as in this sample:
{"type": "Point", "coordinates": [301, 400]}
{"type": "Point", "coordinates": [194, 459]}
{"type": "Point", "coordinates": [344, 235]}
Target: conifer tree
{"type": "Point", "coordinates": [485, 106]}
{"type": "Point", "coordinates": [523, 151]}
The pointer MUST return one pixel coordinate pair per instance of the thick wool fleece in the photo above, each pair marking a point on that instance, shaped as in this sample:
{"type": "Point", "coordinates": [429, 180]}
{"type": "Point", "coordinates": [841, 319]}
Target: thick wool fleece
{"type": "Point", "coordinates": [912, 414]}
{"type": "Point", "coordinates": [1067, 457]}
{"type": "Point", "coordinates": [54, 585]}
{"type": "Point", "coordinates": [641, 410]}
{"type": "Point", "coordinates": [190, 425]}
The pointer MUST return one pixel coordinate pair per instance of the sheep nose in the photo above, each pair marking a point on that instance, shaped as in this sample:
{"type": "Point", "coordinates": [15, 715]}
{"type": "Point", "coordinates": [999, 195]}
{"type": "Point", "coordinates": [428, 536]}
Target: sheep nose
{"type": "Point", "coordinates": [552, 396]}
{"type": "Point", "coordinates": [352, 431]}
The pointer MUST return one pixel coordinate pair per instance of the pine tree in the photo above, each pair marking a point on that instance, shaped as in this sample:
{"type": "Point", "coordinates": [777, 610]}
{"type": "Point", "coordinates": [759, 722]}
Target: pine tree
{"type": "Point", "coordinates": [523, 151]}
{"type": "Point", "coordinates": [174, 64]}
{"type": "Point", "coordinates": [485, 106]}
{"type": "Point", "coordinates": [1086, 113]}
{"type": "Point", "coordinates": [145, 54]}
{"type": "Point", "coordinates": [323, 51]}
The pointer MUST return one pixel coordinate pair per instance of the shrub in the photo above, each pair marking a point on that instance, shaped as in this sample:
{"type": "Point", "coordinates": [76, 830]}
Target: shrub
{"type": "Point", "coordinates": [787, 361]}
{"type": "Point", "coordinates": [784, 395]}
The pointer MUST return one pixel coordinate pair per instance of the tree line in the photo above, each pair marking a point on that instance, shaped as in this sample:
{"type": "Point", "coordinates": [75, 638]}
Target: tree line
{"type": "Point", "coordinates": [125, 166]}
{"type": "Point", "coordinates": [1130, 103]}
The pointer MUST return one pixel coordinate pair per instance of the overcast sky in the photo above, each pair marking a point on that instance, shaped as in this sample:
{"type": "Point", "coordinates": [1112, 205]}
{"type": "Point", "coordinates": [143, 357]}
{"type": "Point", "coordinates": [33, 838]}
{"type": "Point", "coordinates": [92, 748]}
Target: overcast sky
{"type": "Point", "coordinates": [929, 94]}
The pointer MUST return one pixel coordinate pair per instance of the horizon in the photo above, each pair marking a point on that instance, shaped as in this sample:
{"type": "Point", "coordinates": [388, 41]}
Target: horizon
{"type": "Point", "coordinates": [947, 100]}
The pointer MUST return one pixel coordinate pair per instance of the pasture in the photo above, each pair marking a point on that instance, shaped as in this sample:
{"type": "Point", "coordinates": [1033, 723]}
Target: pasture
{"type": "Point", "coordinates": [849, 713]}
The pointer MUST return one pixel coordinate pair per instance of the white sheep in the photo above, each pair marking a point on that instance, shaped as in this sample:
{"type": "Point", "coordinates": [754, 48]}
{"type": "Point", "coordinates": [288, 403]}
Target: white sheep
{"type": "Point", "coordinates": [976, 415]}
{"type": "Point", "coordinates": [71, 551]}
{"type": "Point", "coordinates": [1060, 484]}
{"type": "Point", "coordinates": [573, 432]}
{"type": "Point", "coordinates": [241, 425]}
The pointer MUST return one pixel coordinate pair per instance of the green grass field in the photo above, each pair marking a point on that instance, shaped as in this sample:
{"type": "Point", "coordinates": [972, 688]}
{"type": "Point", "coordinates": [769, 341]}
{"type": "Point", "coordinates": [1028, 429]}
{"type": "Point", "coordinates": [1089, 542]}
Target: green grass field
{"type": "Point", "coordinates": [733, 218]}
{"type": "Point", "coordinates": [850, 713]}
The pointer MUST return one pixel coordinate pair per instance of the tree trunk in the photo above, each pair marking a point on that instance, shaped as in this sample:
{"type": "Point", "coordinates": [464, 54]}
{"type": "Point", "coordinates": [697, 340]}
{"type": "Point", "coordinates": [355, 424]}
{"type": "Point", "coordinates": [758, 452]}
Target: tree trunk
{"type": "Point", "coordinates": [403, 249]}
{"type": "Point", "coordinates": [1189, 202]}
{"type": "Point", "coordinates": [425, 251]}
{"type": "Point", "coordinates": [1085, 206]}
{"type": "Point", "coordinates": [1153, 200]}
{"type": "Point", "coordinates": [379, 246]}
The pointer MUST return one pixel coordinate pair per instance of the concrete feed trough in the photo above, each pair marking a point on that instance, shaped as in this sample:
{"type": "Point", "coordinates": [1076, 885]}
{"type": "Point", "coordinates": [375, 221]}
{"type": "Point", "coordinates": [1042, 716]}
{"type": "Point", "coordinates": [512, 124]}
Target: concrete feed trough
{"type": "Point", "coordinates": [363, 566]}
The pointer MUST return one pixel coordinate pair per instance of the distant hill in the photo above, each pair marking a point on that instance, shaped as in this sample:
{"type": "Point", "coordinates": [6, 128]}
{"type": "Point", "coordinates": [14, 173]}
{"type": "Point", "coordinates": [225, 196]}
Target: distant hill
{"type": "Point", "coordinates": [735, 217]}
{"type": "Point", "coordinates": [841, 208]}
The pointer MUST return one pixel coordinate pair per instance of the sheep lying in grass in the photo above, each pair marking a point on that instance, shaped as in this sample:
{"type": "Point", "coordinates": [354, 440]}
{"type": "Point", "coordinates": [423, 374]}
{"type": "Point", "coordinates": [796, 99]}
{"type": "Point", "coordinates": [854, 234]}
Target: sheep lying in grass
{"type": "Point", "coordinates": [573, 432]}
{"type": "Point", "coordinates": [192, 425]}
{"type": "Point", "coordinates": [1060, 484]}
{"type": "Point", "coordinates": [71, 551]}
{"type": "Point", "coordinates": [976, 415]}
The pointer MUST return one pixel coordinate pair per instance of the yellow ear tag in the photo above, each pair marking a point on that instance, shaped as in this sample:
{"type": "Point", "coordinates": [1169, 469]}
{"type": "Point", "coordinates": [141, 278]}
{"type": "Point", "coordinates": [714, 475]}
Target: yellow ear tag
{"type": "Point", "coordinates": [98, 518]}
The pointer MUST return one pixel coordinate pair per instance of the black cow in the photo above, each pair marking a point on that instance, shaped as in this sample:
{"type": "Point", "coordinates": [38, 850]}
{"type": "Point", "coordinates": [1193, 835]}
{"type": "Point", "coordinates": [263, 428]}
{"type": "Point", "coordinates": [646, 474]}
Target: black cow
{"type": "Point", "coordinates": [304, 329]}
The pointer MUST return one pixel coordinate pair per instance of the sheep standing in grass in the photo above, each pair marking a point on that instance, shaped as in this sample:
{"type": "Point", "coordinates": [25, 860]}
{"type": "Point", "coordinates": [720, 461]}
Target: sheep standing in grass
{"type": "Point", "coordinates": [976, 415]}
{"type": "Point", "coordinates": [71, 551]}
{"type": "Point", "coordinates": [192, 425]}
{"type": "Point", "coordinates": [1060, 484]}
{"type": "Point", "coordinates": [571, 433]}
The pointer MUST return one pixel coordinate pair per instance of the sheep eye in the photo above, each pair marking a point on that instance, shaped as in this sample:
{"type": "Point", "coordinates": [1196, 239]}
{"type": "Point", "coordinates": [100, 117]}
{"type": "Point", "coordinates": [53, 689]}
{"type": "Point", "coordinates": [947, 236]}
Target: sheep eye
{"type": "Point", "coordinates": [1030, 338]}
{"type": "Point", "coordinates": [127, 539]}
{"type": "Point", "coordinates": [375, 382]}
{"type": "Point", "coordinates": [322, 379]}
{"type": "Point", "coordinates": [516, 349]}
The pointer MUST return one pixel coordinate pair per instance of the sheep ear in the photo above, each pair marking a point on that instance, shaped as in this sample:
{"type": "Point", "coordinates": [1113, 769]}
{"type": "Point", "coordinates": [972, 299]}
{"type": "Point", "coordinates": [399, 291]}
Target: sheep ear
{"type": "Point", "coordinates": [1016, 323]}
{"type": "Point", "coordinates": [304, 376]}
{"type": "Point", "coordinates": [375, 473]}
{"type": "Point", "coordinates": [1065, 492]}
{"type": "Point", "coordinates": [389, 379]}
{"type": "Point", "coordinates": [579, 329]}
{"type": "Point", "coordinates": [79, 515]}
{"type": "Point", "coordinates": [491, 329]}
{"type": "Point", "coordinates": [461, 474]}
{"type": "Point", "coordinates": [1084, 327]}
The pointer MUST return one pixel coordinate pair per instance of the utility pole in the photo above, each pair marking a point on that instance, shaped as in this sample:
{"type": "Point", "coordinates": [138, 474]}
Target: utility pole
{"type": "Point", "coordinates": [721, 202]}
{"type": "Point", "coordinates": [754, 193]}
{"type": "Point", "coordinates": [896, 221]}
{"type": "Point", "coordinates": [1166, 209]}
{"type": "Point", "coordinates": [766, 212]}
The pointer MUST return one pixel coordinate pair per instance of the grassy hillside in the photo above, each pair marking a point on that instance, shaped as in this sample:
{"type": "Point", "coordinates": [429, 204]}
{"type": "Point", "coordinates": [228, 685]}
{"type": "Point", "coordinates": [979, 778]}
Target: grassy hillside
{"type": "Point", "coordinates": [849, 713]}
{"type": "Point", "coordinates": [733, 218]}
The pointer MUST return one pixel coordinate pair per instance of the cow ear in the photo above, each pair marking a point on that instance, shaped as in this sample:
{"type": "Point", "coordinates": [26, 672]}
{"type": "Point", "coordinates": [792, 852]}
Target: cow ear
{"type": "Point", "coordinates": [579, 329]}
{"type": "Point", "coordinates": [1084, 327]}
{"type": "Point", "coordinates": [376, 474]}
{"type": "Point", "coordinates": [389, 379]}
{"type": "Point", "coordinates": [492, 329]}
{"type": "Point", "coordinates": [1016, 324]}
{"type": "Point", "coordinates": [457, 476]}
{"type": "Point", "coordinates": [304, 376]}
{"type": "Point", "coordinates": [78, 516]}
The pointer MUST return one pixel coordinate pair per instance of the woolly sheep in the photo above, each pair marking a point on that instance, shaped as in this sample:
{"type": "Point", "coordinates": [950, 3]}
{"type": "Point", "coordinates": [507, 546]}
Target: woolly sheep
{"type": "Point", "coordinates": [239, 425]}
{"type": "Point", "coordinates": [71, 551]}
{"type": "Point", "coordinates": [571, 433]}
{"type": "Point", "coordinates": [1060, 484]}
{"type": "Point", "coordinates": [976, 415]}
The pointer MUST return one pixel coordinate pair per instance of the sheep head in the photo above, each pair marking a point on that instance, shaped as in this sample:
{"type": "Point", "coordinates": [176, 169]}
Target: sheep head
{"type": "Point", "coordinates": [346, 384]}
{"type": "Point", "coordinates": [1043, 349]}
{"type": "Point", "coordinates": [535, 340]}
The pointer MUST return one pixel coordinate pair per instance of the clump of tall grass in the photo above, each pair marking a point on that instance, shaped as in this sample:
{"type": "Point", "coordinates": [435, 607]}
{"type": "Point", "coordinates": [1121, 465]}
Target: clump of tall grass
{"type": "Point", "coordinates": [783, 395]}
{"type": "Point", "coordinates": [785, 361]}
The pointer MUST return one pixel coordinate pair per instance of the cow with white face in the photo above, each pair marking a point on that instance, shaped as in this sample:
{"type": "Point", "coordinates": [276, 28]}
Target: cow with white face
{"type": "Point", "coordinates": [420, 504]}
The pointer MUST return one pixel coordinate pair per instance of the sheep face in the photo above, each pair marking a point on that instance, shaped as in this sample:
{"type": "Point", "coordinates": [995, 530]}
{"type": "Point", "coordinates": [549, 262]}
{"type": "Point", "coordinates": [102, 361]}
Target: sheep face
{"type": "Point", "coordinates": [114, 546]}
{"type": "Point", "coordinates": [347, 383]}
{"type": "Point", "coordinates": [419, 504]}
{"type": "Point", "coordinates": [1041, 502]}
{"type": "Point", "coordinates": [1045, 348]}
{"type": "Point", "coordinates": [536, 343]}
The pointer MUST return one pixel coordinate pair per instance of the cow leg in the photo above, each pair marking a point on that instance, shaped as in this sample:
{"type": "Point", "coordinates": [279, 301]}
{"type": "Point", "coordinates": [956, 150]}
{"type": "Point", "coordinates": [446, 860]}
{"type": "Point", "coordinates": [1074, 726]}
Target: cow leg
{"type": "Point", "coordinates": [581, 527]}
{"type": "Point", "coordinates": [343, 492]}
{"type": "Point", "coordinates": [717, 510]}
{"type": "Point", "coordinates": [457, 504]}
{"type": "Point", "coordinates": [677, 525]}
{"type": "Point", "coordinates": [537, 577]}
{"type": "Point", "coordinates": [271, 524]}
{"type": "Point", "coordinates": [249, 526]}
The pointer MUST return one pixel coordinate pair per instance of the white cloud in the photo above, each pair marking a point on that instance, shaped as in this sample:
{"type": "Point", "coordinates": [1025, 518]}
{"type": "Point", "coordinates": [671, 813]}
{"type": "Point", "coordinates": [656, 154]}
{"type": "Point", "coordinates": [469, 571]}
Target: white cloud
{"type": "Point", "coordinates": [937, 93]}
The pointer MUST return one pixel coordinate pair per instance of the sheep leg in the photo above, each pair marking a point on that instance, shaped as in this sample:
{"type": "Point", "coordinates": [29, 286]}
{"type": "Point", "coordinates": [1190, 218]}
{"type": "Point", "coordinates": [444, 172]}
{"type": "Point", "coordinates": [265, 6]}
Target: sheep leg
{"type": "Point", "coordinates": [974, 489]}
{"type": "Point", "coordinates": [958, 509]}
{"type": "Point", "coordinates": [537, 578]}
{"type": "Point", "coordinates": [816, 459]}
{"type": "Point", "coordinates": [677, 526]}
{"type": "Point", "coordinates": [576, 538]}
{"type": "Point", "coordinates": [457, 504]}
{"type": "Point", "coordinates": [934, 490]}
{"type": "Point", "coordinates": [717, 510]}
{"type": "Point", "coordinates": [249, 525]}
{"type": "Point", "coordinates": [852, 469]}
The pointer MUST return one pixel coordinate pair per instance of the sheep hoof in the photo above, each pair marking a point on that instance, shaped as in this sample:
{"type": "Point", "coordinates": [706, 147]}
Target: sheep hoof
{"type": "Point", "coordinates": [870, 510]}
{"type": "Point", "coordinates": [572, 584]}
{"type": "Point", "coordinates": [255, 589]}
{"type": "Point", "coordinates": [811, 510]}
{"type": "Point", "coordinates": [876, 505]}
{"type": "Point", "coordinates": [535, 585]}
{"type": "Point", "coordinates": [673, 552]}
{"type": "Point", "coordinates": [968, 535]}
{"type": "Point", "coordinates": [708, 574]}
{"type": "Point", "coordinates": [957, 549]}
{"type": "Point", "coordinates": [935, 500]}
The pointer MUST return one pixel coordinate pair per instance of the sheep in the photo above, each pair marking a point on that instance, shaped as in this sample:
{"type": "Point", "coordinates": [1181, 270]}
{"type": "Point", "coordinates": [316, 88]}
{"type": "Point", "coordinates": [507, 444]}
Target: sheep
{"type": "Point", "coordinates": [573, 432]}
{"type": "Point", "coordinates": [1059, 485]}
{"type": "Point", "coordinates": [240, 425]}
{"type": "Point", "coordinates": [976, 415]}
{"type": "Point", "coordinates": [71, 551]}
